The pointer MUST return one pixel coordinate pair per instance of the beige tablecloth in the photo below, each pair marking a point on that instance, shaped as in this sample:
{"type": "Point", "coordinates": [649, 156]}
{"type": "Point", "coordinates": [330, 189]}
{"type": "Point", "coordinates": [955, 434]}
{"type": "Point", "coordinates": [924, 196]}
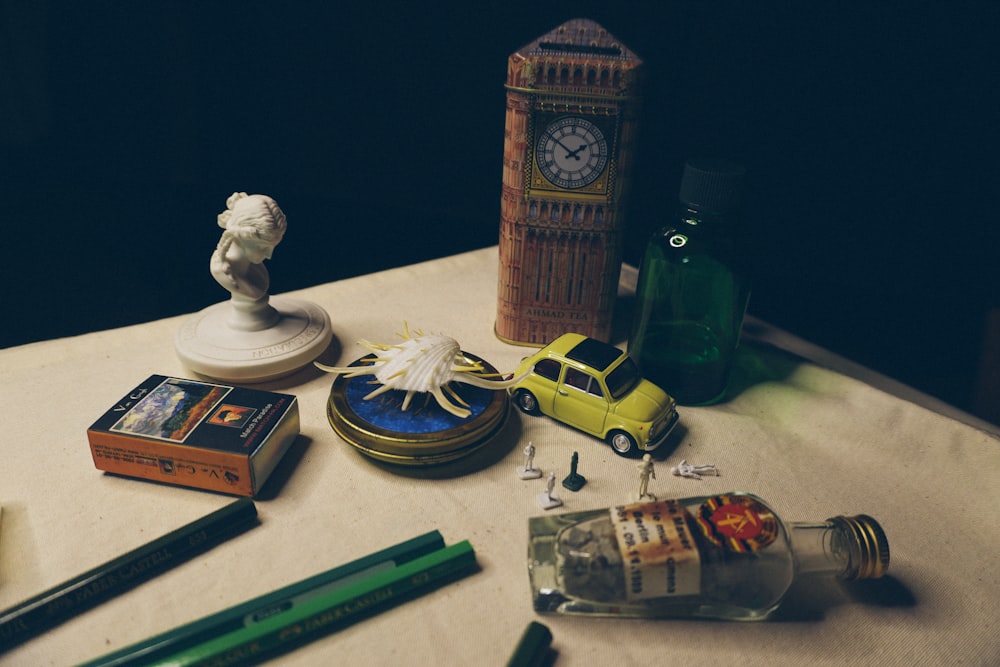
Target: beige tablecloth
{"type": "Point", "coordinates": [812, 441]}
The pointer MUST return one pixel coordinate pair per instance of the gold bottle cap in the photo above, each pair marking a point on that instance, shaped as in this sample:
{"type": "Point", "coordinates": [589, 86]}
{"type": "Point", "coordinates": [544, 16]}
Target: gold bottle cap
{"type": "Point", "coordinates": [866, 545]}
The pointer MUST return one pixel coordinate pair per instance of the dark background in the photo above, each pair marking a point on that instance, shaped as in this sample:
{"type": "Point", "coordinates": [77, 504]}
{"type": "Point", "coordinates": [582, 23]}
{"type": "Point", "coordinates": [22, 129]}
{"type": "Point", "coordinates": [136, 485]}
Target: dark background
{"type": "Point", "coordinates": [868, 129]}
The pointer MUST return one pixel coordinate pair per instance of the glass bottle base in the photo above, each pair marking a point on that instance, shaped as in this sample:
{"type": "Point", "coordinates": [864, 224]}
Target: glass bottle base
{"type": "Point", "coordinates": [687, 360]}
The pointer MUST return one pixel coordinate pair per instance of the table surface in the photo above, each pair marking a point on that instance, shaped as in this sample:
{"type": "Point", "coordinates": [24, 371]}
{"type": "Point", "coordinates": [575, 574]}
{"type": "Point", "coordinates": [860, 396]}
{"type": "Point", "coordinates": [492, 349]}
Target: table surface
{"type": "Point", "coordinates": [813, 441]}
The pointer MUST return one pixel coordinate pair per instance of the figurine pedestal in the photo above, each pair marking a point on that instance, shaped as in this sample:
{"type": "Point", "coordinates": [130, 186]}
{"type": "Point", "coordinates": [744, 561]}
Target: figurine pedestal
{"type": "Point", "coordinates": [528, 473]}
{"type": "Point", "coordinates": [547, 502]}
{"type": "Point", "coordinates": [574, 482]}
{"type": "Point", "coordinates": [209, 345]}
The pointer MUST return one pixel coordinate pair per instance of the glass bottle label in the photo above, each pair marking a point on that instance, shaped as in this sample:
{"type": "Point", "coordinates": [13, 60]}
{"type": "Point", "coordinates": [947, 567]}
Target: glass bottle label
{"type": "Point", "coordinates": [738, 523]}
{"type": "Point", "coordinates": [659, 553]}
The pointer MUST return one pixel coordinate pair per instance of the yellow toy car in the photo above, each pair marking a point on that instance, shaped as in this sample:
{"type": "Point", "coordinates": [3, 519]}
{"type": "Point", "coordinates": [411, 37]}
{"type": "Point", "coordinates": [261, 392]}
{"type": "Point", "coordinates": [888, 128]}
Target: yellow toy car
{"type": "Point", "coordinates": [596, 388]}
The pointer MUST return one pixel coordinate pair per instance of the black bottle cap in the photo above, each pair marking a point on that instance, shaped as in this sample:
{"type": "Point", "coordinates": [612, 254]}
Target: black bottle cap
{"type": "Point", "coordinates": [712, 186]}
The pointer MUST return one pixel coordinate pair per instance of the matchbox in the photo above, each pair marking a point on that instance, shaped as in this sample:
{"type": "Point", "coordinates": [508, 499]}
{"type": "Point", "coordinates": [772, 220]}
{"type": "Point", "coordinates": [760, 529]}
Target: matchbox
{"type": "Point", "coordinates": [197, 434]}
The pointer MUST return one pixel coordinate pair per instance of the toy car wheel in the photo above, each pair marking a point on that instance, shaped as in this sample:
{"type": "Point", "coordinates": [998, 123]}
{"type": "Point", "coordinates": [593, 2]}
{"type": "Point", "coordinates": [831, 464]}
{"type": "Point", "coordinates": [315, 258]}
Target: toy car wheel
{"type": "Point", "coordinates": [622, 443]}
{"type": "Point", "coordinates": [526, 401]}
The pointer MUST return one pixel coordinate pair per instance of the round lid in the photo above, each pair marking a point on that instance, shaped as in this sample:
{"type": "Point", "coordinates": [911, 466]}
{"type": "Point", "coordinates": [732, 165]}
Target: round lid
{"type": "Point", "coordinates": [423, 434]}
{"type": "Point", "coordinates": [711, 185]}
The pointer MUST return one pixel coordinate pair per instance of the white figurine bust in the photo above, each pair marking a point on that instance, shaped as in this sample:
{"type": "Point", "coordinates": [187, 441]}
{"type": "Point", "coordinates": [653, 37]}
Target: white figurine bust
{"type": "Point", "coordinates": [252, 337]}
{"type": "Point", "coordinates": [252, 226]}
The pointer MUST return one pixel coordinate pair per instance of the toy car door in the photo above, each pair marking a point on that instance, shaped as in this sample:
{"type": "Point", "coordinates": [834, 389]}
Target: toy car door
{"type": "Point", "coordinates": [580, 401]}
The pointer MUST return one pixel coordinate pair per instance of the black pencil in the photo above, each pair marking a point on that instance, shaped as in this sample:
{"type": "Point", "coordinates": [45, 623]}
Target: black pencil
{"type": "Point", "coordinates": [48, 609]}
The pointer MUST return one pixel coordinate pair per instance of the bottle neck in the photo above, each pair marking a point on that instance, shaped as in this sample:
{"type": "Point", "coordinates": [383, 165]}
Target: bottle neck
{"type": "Point", "coordinates": [849, 547]}
{"type": "Point", "coordinates": [705, 222]}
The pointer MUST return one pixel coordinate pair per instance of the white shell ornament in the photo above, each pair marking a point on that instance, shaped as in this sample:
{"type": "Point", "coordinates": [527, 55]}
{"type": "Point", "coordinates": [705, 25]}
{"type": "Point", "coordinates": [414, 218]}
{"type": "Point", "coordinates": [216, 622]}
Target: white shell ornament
{"type": "Point", "coordinates": [425, 364]}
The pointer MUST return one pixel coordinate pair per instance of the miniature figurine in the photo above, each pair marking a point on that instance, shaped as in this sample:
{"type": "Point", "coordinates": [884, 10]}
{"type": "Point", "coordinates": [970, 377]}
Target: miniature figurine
{"type": "Point", "coordinates": [685, 469]}
{"type": "Point", "coordinates": [422, 363]}
{"type": "Point", "coordinates": [252, 337]}
{"type": "Point", "coordinates": [549, 499]}
{"type": "Point", "coordinates": [628, 412]}
{"type": "Point", "coordinates": [528, 470]}
{"type": "Point", "coordinates": [574, 481]}
{"type": "Point", "coordinates": [646, 471]}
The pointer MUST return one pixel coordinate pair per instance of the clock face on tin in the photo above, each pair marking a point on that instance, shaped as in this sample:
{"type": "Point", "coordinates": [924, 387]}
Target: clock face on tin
{"type": "Point", "coordinates": [571, 152]}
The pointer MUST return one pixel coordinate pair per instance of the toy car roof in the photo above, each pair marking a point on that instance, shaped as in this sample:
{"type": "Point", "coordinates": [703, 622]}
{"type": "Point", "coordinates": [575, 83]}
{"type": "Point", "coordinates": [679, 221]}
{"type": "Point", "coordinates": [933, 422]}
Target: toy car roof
{"type": "Point", "coordinates": [594, 353]}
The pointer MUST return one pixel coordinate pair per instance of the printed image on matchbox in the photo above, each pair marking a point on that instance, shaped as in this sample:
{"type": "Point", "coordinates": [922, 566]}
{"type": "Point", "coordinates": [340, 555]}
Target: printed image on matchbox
{"type": "Point", "coordinates": [232, 416]}
{"type": "Point", "coordinates": [197, 434]}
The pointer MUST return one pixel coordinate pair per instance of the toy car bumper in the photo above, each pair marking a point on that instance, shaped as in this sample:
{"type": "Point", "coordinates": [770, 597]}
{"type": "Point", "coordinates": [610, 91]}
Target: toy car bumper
{"type": "Point", "coordinates": [667, 427]}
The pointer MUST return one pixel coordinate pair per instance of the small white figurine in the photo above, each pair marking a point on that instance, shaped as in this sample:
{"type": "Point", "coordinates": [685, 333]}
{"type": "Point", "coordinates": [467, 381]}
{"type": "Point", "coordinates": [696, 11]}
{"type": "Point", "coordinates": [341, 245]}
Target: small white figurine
{"type": "Point", "coordinates": [528, 470]}
{"type": "Point", "coordinates": [646, 471]}
{"type": "Point", "coordinates": [685, 469]}
{"type": "Point", "coordinates": [549, 499]}
{"type": "Point", "coordinates": [252, 337]}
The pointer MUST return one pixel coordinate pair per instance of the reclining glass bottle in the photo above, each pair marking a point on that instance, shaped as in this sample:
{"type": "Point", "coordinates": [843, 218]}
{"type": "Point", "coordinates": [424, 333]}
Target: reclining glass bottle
{"type": "Point", "coordinates": [692, 294]}
{"type": "Point", "coordinates": [726, 556]}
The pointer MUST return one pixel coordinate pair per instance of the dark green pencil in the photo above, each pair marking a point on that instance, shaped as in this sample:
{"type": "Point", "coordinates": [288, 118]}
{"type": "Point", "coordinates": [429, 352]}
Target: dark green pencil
{"type": "Point", "coordinates": [330, 612]}
{"type": "Point", "coordinates": [48, 609]}
{"type": "Point", "coordinates": [265, 606]}
{"type": "Point", "coordinates": [534, 648]}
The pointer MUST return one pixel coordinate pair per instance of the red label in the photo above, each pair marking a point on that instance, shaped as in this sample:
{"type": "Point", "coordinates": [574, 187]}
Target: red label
{"type": "Point", "coordinates": [737, 522]}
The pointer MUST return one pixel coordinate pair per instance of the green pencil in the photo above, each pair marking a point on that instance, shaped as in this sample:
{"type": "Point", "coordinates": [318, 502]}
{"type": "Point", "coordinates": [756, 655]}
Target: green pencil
{"type": "Point", "coordinates": [266, 606]}
{"type": "Point", "coordinates": [331, 611]}
{"type": "Point", "coordinates": [534, 648]}
{"type": "Point", "coordinates": [46, 610]}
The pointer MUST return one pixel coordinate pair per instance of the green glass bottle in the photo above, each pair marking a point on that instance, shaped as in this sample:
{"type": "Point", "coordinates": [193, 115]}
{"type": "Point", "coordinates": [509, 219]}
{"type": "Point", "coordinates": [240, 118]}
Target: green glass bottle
{"type": "Point", "coordinates": [692, 294]}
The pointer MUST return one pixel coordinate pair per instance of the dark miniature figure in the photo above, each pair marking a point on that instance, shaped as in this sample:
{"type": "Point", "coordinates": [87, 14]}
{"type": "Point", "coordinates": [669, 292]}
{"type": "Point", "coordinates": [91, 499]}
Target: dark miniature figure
{"type": "Point", "coordinates": [574, 481]}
